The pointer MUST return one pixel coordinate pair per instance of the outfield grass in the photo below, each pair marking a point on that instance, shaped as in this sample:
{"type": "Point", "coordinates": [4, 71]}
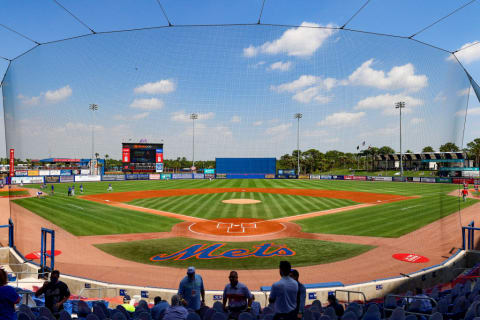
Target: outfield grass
{"type": "Point", "coordinates": [210, 206]}
{"type": "Point", "coordinates": [85, 218]}
{"type": "Point", "coordinates": [13, 193]}
{"type": "Point", "coordinates": [308, 252]}
{"type": "Point", "coordinates": [387, 220]}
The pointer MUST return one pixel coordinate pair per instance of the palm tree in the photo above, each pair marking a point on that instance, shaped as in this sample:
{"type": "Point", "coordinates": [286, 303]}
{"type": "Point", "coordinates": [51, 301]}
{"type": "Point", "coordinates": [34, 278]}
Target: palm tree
{"type": "Point", "coordinates": [96, 155]}
{"type": "Point", "coordinates": [473, 148]}
{"type": "Point", "coordinates": [106, 161]}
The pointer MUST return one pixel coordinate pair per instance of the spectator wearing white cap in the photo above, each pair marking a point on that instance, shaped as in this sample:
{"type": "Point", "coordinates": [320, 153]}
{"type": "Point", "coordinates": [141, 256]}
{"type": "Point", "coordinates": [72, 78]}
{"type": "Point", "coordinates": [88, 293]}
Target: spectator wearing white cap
{"type": "Point", "coordinates": [191, 288]}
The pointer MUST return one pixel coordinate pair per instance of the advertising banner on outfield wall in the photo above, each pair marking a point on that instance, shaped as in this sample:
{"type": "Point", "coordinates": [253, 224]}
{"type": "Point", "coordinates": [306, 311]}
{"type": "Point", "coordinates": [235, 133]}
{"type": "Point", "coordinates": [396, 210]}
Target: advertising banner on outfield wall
{"type": "Point", "coordinates": [198, 176]}
{"type": "Point", "coordinates": [85, 171]}
{"type": "Point", "coordinates": [143, 176]}
{"type": "Point", "coordinates": [54, 172]}
{"type": "Point", "coordinates": [209, 176]}
{"type": "Point", "coordinates": [382, 178]}
{"type": "Point", "coordinates": [76, 171]}
{"type": "Point", "coordinates": [21, 173]}
{"type": "Point", "coordinates": [65, 172]}
{"type": "Point", "coordinates": [131, 177]}
{"type": "Point", "coordinates": [113, 177]}
{"type": "Point", "coordinates": [338, 177]}
{"type": "Point", "coordinates": [221, 176]}
{"type": "Point", "coordinates": [443, 180]}
{"type": "Point", "coordinates": [165, 176]}
{"type": "Point", "coordinates": [33, 173]}
{"type": "Point", "coordinates": [286, 176]}
{"type": "Point", "coordinates": [358, 178]}
{"type": "Point", "coordinates": [399, 179]}
{"type": "Point", "coordinates": [43, 172]}
{"type": "Point", "coordinates": [427, 179]}
{"type": "Point", "coordinates": [270, 176]}
{"type": "Point", "coordinates": [182, 176]}
{"type": "Point", "coordinates": [209, 171]}
{"type": "Point", "coordinates": [52, 179]}
{"type": "Point", "coordinates": [462, 180]}
{"type": "Point", "coordinates": [83, 178]}
{"type": "Point", "coordinates": [26, 180]}
{"type": "Point", "coordinates": [325, 177]}
{"type": "Point", "coordinates": [315, 176]}
{"type": "Point", "coordinates": [304, 176]}
{"type": "Point", "coordinates": [154, 176]}
{"type": "Point", "coordinates": [67, 178]}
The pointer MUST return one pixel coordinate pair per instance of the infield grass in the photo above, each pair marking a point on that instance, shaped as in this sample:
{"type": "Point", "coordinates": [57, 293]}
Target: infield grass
{"type": "Point", "coordinates": [308, 252]}
{"type": "Point", "coordinates": [210, 206]}
{"type": "Point", "coordinates": [386, 220]}
{"type": "Point", "coordinates": [85, 218]}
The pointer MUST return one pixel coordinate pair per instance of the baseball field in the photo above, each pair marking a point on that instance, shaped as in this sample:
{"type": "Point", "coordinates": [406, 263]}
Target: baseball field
{"type": "Point", "coordinates": [190, 222]}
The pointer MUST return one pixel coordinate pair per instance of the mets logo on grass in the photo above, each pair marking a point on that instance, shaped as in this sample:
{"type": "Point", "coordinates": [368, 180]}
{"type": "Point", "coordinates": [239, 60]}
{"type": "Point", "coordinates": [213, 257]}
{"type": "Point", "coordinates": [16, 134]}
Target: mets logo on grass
{"type": "Point", "coordinates": [213, 251]}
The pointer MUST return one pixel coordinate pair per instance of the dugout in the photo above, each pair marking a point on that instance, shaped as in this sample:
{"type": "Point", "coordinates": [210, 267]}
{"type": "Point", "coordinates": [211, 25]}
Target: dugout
{"type": "Point", "coordinates": [245, 168]}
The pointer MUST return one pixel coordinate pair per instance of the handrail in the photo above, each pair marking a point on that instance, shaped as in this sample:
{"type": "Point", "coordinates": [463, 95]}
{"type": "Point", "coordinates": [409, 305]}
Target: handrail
{"type": "Point", "coordinates": [351, 291]}
{"type": "Point", "coordinates": [410, 299]}
{"type": "Point", "coordinates": [98, 289]}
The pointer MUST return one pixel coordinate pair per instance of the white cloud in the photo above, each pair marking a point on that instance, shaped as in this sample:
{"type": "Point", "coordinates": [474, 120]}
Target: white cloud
{"type": "Point", "coordinates": [236, 119]}
{"type": "Point", "coordinates": [182, 116]}
{"type": "Point", "coordinates": [387, 103]}
{"type": "Point", "coordinates": [55, 96]}
{"type": "Point", "coordinates": [417, 120]}
{"type": "Point", "coordinates": [470, 54]}
{"type": "Point", "coordinates": [314, 133]}
{"type": "Point", "coordinates": [302, 41]}
{"type": "Point", "coordinates": [147, 104]}
{"type": "Point", "coordinates": [464, 92]}
{"type": "Point", "coordinates": [302, 82]}
{"type": "Point", "coordinates": [142, 115]}
{"type": "Point", "coordinates": [470, 112]}
{"type": "Point", "coordinates": [440, 97]}
{"type": "Point", "coordinates": [281, 128]}
{"type": "Point", "coordinates": [280, 66]}
{"type": "Point", "coordinates": [79, 126]}
{"type": "Point", "coordinates": [257, 123]}
{"type": "Point", "coordinates": [382, 132]}
{"type": "Point", "coordinates": [29, 101]}
{"type": "Point", "coordinates": [313, 93]}
{"type": "Point", "coordinates": [340, 119]}
{"type": "Point", "coordinates": [161, 86]}
{"type": "Point", "coordinates": [399, 77]}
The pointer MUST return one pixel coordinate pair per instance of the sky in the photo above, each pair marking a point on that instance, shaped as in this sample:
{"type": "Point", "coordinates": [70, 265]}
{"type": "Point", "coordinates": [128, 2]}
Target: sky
{"type": "Point", "coordinates": [245, 82]}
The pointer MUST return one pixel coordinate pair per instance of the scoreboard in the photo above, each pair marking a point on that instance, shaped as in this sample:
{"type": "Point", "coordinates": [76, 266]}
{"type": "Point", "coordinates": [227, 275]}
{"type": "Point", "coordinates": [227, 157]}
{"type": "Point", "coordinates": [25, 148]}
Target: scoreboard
{"type": "Point", "coordinates": [142, 157]}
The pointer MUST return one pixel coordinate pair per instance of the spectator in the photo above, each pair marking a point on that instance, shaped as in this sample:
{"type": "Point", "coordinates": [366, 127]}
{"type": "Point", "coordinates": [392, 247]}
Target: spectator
{"type": "Point", "coordinates": [238, 296]}
{"type": "Point", "coordinates": [8, 298]}
{"type": "Point", "coordinates": [190, 289]}
{"type": "Point", "coordinates": [126, 304]}
{"type": "Point", "coordinates": [284, 294]}
{"type": "Point", "coordinates": [256, 307]}
{"type": "Point", "coordinates": [176, 311]}
{"type": "Point", "coordinates": [425, 304]}
{"type": "Point", "coordinates": [159, 306]}
{"type": "Point", "coordinates": [56, 292]}
{"type": "Point", "coordinates": [301, 294]}
{"type": "Point", "coordinates": [333, 302]}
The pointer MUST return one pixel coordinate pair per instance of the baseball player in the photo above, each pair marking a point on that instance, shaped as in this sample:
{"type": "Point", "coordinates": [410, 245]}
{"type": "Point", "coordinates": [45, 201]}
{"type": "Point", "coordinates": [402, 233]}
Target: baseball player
{"type": "Point", "coordinates": [464, 194]}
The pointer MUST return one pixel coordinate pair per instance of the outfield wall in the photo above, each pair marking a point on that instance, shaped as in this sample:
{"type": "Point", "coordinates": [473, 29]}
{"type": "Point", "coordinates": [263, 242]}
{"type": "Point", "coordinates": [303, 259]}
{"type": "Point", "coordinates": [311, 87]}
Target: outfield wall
{"type": "Point", "coordinates": [185, 176]}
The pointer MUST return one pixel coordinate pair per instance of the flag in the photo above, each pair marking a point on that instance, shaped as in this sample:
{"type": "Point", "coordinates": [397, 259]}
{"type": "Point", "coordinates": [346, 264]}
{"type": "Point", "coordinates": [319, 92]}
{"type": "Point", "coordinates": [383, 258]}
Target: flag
{"type": "Point", "coordinates": [358, 147]}
{"type": "Point", "coordinates": [363, 143]}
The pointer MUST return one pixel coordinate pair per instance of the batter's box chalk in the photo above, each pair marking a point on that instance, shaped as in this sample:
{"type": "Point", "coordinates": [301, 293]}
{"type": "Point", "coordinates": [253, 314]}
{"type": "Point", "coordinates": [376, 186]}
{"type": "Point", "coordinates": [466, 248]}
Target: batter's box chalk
{"type": "Point", "coordinates": [252, 225]}
{"type": "Point", "coordinates": [224, 225]}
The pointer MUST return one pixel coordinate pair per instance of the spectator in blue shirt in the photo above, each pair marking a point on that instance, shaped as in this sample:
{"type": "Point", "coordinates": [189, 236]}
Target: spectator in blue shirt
{"type": "Point", "coordinates": [176, 311]}
{"type": "Point", "coordinates": [425, 304]}
{"type": "Point", "coordinates": [8, 298]}
{"type": "Point", "coordinates": [191, 288]}
{"type": "Point", "coordinates": [301, 294]}
{"type": "Point", "coordinates": [237, 295]}
{"type": "Point", "coordinates": [159, 306]}
{"type": "Point", "coordinates": [284, 294]}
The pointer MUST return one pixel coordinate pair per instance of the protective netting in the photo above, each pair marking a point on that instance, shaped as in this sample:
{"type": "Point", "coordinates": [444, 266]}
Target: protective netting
{"type": "Point", "coordinates": [245, 83]}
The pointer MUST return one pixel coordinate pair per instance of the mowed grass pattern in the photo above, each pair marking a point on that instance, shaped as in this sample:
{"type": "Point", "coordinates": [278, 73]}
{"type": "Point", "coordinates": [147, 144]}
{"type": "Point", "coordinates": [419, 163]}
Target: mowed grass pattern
{"type": "Point", "coordinates": [387, 220]}
{"type": "Point", "coordinates": [210, 206]}
{"type": "Point", "coordinates": [307, 252]}
{"type": "Point", "coordinates": [85, 218]}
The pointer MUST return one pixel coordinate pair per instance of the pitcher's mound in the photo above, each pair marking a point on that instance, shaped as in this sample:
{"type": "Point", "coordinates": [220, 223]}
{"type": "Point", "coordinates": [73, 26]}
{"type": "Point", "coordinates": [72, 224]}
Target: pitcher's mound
{"type": "Point", "coordinates": [241, 201]}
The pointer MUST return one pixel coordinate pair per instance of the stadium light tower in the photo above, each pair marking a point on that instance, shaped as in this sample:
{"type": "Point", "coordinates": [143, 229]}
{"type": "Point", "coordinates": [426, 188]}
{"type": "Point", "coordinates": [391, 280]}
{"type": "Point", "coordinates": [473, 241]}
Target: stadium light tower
{"type": "Point", "coordinates": [400, 105]}
{"type": "Point", "coordinates": [298, 116]}
{"type": "Point", "coordinates": [93, 107]}
{"type": "Point", "coordinates": [194, 117]}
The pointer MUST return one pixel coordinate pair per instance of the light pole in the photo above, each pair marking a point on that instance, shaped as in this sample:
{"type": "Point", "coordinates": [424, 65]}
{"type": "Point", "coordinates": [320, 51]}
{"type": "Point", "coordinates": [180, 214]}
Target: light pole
{"type": "Point", "coordinates": [298, 116]}
{"type": "Point", "coordinates": [93, 107]}
{"type": "Point", "coordinates": [400, 105]}
{"type": "Point", "coordinates": [194, 117]}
